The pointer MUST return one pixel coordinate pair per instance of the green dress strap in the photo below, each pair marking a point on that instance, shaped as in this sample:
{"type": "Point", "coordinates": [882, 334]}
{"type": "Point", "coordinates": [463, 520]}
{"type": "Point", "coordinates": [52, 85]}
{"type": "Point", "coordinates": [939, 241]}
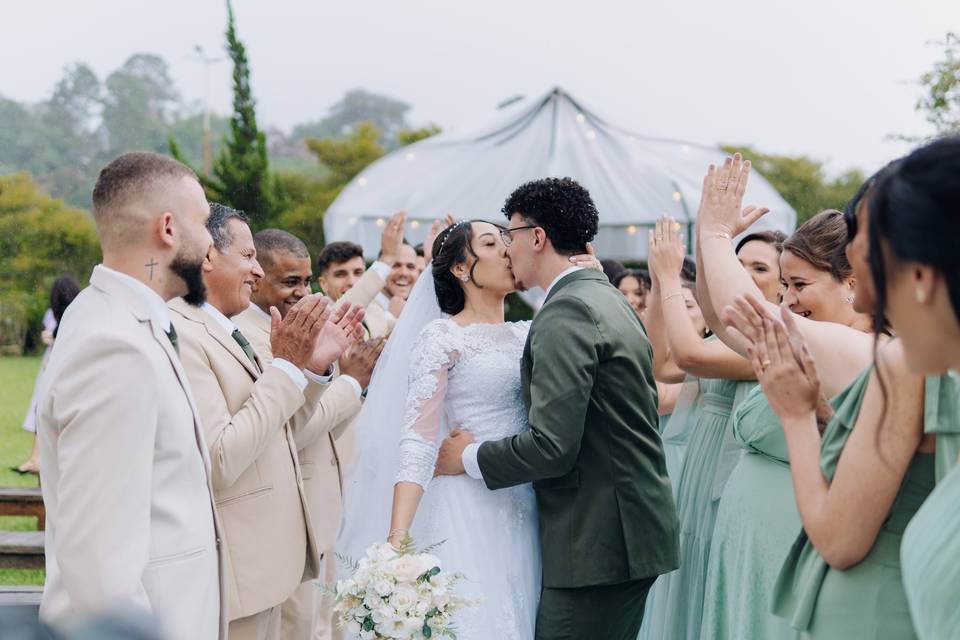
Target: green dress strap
{"type": "Point", "coordinates": [941, 410]}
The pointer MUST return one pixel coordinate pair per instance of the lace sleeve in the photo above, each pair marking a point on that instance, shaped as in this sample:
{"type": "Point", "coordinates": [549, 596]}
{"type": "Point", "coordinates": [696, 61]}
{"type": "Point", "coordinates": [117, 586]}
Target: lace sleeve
{"type": "Point", "coordinates": [434, 354]}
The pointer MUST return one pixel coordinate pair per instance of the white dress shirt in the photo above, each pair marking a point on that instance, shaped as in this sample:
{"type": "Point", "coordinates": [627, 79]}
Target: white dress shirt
{"type": "Point", "coordinates": [469, 456]}
{"type": "Point", "coordinates": [158, 306]}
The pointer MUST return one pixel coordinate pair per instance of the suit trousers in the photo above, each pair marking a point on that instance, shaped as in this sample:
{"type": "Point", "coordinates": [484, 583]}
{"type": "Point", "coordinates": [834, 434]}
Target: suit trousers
{"type": "Point", "coordinates": [608, 612]}
{"type": "Point", "coordinates": [308, 613]}
{"type": "Point", "coordinates": [260, 626]}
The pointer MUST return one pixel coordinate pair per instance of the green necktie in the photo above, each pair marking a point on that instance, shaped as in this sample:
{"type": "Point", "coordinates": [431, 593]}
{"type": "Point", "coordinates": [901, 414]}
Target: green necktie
{"type": "Point", "coordinates": [172, 335]}
{"type": "Point", "coordinates": [245, 345]}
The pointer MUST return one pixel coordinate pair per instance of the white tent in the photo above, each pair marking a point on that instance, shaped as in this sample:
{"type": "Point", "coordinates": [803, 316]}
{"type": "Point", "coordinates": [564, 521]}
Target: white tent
{"type": "Point", "coordinates": [633, 179]}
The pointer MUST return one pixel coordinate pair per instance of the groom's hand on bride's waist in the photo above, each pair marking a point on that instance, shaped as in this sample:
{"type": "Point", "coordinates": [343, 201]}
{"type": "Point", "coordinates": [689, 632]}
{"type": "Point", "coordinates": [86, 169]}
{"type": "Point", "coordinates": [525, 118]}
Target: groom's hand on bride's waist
{"type": "Point", "coordinates": [449, 459]}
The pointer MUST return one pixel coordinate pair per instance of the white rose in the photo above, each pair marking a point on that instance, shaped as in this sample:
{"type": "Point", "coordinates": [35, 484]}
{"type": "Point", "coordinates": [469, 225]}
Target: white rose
{"type": "Point", "coordinates": [372, 601]}
{"type": "Point", "coordinates": [422, 608]}
{"type": "Point", "coordinates": [367, 635]}
{"type": "Point", "coordinates": [404, 598]}
{"type": "Point", "coordinates": [385, 552]}
{"type": "Point", "coordinates": [426, 562]}
{"type": "Point", "coordinates": [383, 587]}
{"type": "Point", "coordinates": [405, 568]}
{"type": "Point", "coordinates": [354, 627]}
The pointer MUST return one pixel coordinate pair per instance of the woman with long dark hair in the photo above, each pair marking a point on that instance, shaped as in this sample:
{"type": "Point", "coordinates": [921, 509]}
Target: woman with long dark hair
{"type": "Point", "coordinates": [62, 293]}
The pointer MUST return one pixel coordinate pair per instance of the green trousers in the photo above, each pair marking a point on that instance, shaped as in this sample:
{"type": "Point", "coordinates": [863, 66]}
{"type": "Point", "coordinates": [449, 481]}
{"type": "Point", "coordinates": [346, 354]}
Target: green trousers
{"type": "Point", "coordinates": [609, 612]}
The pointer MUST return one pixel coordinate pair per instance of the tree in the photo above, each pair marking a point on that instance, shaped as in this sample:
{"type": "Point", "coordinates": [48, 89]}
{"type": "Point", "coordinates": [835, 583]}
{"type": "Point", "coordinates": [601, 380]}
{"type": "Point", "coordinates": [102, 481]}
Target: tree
{"type": "Point", "coordinates": [802, 181]}
{"type": "Point", "coordinates": [241, 171]}
{"type": "Point", "coordinates": [354, 108]}
{"type": "Point", "coordinates": [410, 136]}
{"type": "Point", "coordinates": [347, 157]}
{"type": "Point", "coordinates": [40, 239]}
{"type": "Point", "coordinates": [941, 101]}
{"type": "Point", "coordinates": [138, 106]}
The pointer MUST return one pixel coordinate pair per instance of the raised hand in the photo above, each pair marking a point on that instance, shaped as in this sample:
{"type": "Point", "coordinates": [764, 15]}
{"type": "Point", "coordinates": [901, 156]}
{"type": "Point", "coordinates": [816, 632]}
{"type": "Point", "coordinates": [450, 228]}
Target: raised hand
{"type": "Point", "coordinates": [392, 238]}
{"type": "Point", "coordinates": [360, 359]}
{"type": "Point", "coordinates": [721, 201]}
{"type": "Point", "coordinates": [432, 234]}
{"type": "Point", "coordinates": [335, 336]}
{"type": "Point", "coordinates": [294, 337]}
{"type": "Point", "coordinates": [666, 251]}
{"type": "Point", "coordinates": [587, 260]}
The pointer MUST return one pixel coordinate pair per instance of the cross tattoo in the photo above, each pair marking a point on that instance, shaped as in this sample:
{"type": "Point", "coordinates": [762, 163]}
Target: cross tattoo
{"type": "Point", "coordinates": [150, 265]}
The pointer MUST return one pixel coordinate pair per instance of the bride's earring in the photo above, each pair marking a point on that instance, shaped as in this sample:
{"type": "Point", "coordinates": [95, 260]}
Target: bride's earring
{"type": "Point", "coordinates": [921, 296]}
{"type": "Point", "coordinates": [464, 278]}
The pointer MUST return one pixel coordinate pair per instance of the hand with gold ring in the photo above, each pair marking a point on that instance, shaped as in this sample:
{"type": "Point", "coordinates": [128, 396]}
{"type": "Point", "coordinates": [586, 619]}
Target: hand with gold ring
{"type": "Point", "coordinates": [780, 357]}
{"type": "Point", "coordinates": [667, 251]}
{"type": "Point", "coordinates": [721, 210]}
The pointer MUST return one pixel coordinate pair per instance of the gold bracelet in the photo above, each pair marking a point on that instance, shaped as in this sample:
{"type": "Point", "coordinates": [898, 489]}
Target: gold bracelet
{"type": "Point", "coordinates": [672, 295]}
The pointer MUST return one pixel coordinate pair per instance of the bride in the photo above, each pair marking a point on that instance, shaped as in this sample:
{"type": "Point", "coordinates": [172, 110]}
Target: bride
{"type": "Point", "coordinates": [452, 362]}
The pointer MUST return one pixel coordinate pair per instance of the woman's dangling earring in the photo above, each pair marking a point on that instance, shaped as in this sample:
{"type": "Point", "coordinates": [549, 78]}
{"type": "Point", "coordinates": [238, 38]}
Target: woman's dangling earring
{"type": "Point", "coordinates": [921, 296]}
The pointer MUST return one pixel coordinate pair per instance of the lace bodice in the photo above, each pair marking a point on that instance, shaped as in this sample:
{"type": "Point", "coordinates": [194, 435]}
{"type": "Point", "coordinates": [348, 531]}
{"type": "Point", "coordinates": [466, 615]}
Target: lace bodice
{"type": "Point", "coordinates": [460, 377]}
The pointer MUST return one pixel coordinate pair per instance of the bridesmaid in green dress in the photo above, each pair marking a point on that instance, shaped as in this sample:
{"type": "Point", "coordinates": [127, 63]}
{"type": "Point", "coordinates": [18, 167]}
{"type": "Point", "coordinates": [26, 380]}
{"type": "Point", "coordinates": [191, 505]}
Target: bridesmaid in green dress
{"type": "Point", "coordinates": [757, 518]}
{"type": "Point", "coordinates": [724, 378]}
{"type": "Point", "coordinates": [914, 219]}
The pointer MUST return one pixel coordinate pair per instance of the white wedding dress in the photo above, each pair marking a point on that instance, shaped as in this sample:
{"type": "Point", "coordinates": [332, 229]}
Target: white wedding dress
{"type": "Point", "coordinates": [432, 376]}
{"type": "Point", "coordinates": [469, 377]}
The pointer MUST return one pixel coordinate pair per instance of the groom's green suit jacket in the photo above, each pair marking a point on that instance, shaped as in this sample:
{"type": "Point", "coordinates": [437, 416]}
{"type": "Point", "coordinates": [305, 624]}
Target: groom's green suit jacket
{"type": "Point", "coordinates": [593, 451]}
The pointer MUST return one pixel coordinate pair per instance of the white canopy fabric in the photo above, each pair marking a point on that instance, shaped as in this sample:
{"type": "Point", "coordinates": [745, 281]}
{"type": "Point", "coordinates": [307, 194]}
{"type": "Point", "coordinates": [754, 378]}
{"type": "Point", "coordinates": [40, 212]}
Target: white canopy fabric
{"type": "Point", "coordinates": [633, 179]}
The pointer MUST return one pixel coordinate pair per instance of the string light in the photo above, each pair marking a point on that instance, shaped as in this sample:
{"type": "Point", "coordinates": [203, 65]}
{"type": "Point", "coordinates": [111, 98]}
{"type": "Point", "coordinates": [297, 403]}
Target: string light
{"type": "Point", "coordinates": [410, 156]}
{"type": "Point", "coordinates": [381, 222]}
{"type": "Point", "coordinates": [677, 196]}
{"type": "Point", "coordinates": [362, 181]}
{"type": "Point", "coordinates": [632, 229]}
{"type": "Point", "coordinates": [415, 224]}
{"type": "Point", "coordinates": [581, 118]}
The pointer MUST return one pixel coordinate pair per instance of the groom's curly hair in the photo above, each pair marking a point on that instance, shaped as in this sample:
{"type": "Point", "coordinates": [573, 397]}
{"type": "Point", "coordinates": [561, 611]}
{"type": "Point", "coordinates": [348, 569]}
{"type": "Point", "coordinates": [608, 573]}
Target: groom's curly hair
{"type": "Point", "coordinates": [562, 207]}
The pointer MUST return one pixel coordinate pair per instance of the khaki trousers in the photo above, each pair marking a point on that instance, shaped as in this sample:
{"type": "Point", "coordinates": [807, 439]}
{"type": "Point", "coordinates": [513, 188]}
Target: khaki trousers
{"type": "Point", "coordinates": [308, 613]}
{"type": "Point", "coordinates": [260, 626]}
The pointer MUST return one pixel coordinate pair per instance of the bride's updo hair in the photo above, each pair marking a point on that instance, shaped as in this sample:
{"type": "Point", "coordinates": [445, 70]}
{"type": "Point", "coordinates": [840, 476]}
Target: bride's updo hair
{"type": "Point", "coordinates": [452, 247]}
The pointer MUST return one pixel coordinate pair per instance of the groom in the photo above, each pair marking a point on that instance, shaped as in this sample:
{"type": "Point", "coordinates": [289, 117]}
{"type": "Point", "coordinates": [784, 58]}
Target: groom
{"type": "Point", "coordinates": [608, 524]}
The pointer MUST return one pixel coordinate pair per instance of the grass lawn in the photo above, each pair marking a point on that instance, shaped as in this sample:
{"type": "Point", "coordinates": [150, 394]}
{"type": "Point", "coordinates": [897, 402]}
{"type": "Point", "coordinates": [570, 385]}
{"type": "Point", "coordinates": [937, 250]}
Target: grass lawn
{"type": "Point", "coordinates": [17, 376]}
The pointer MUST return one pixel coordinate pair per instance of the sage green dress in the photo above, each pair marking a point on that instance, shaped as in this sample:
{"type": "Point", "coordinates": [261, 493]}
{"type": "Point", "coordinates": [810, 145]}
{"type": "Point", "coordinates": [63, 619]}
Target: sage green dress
{"type": "Point", "coordinates": [931, 545]}
{"type": "Point", "coordinates": [757, 521]}
{"type": "Point", "coordinates": [866, 600]}
{"type": "Point", "coordinates": [710, 457]}
{"type": "Point", "coordinates": [675, 434]}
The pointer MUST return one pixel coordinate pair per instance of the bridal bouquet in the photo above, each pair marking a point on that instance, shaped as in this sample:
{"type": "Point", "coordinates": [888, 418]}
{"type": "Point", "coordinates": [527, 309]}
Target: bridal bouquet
{"type": "Point", "coordinates": [398, 593]}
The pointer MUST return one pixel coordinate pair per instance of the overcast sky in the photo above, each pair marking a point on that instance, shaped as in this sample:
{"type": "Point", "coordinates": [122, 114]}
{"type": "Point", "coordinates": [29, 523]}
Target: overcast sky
{"type": "Point", "coordinates": [828, 78]}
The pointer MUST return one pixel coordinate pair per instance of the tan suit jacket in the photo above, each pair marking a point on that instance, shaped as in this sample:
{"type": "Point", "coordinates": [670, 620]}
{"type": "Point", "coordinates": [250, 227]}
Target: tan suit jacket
{"type": "Point", "coordinates": [316, 442]}
{"type": "Point", "coordinates": [125, 472]}
{"type": "Point", "coordinates": [249, 414]}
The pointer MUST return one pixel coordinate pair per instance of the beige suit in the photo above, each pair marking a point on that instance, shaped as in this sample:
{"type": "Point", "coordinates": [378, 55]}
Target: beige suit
{"type": "Point", "coordinates": [125, 472]}
{"type": "Point", "coordinates": [324, 452]}
{"type": "Point", "coordinates": [249, 414]}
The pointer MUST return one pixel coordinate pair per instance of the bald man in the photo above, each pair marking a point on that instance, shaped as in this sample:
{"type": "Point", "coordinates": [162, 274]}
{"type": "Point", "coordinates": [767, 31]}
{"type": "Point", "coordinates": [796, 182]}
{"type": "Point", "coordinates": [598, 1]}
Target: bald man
{"type": "Point", "coordinates": [125, 475]}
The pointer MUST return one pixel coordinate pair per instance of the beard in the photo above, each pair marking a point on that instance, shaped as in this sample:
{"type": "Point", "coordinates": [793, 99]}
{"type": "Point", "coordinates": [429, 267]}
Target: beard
{"type": "Point", "coordinates": [190, 270]}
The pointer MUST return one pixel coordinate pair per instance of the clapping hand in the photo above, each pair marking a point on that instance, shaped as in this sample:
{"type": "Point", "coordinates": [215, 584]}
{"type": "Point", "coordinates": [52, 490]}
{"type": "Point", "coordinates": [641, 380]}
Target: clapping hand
{"type": "Point", "coordinates": [335, 336]}
{"type": "Point", "coordinates": [294, 336]}
{"type": "Point", "coordinates": [435, 229]}
{"type": "Point", "coordinates": [667, 251]}
{"type": "Point", "coordinates": [722, 198]}
{"type": "Point", "coordinates": [360, 359]}
{"type": "Point", "coordinates": [779, 355]}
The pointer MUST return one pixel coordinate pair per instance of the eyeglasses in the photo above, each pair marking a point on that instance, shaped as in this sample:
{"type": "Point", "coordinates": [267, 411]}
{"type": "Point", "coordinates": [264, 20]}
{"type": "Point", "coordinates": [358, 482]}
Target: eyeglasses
{"type": "Point", "coordinates": [507, 234]}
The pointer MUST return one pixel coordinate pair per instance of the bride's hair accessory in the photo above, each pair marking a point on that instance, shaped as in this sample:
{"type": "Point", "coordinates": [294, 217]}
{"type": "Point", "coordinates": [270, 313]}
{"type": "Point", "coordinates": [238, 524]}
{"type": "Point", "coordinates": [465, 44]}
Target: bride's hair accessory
{"type": "Point", "coordinates": [449, 231]}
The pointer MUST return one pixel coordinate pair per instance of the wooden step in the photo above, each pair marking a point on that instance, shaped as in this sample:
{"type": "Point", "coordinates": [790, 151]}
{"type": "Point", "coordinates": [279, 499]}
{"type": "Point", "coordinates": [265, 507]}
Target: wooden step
{"type": "Point", "coordinates": [21, 550]}
{"type": "Point", "coordinates": [23, 501]}
{"type": "Point", "coordinates": [20, 596]}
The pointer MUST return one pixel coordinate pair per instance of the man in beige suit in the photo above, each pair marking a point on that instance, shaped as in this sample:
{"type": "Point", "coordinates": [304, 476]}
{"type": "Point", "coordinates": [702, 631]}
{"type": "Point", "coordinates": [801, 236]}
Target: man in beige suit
{"type": "Point", "coordinates": [125, 473]}
{"type": "Point", "coordinates": [251, 412]}
{"type": "Point", "coordinates": [287, 275]}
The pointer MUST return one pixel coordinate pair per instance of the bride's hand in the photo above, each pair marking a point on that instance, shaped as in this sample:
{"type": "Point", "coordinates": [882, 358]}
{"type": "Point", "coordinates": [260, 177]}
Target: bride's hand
{"type": "Point", "coordinates": [449, 459]}
{"type": "Point", "coordinates": [587, 260]}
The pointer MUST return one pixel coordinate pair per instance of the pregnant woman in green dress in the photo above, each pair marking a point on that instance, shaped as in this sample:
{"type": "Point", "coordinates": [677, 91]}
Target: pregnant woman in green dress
{"type": "Point", "coordinates": [757, 518]}
{"type": "Point", "coordinates": [914, 220]}
{"type": "Point", "coordinates": [723, 379]}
